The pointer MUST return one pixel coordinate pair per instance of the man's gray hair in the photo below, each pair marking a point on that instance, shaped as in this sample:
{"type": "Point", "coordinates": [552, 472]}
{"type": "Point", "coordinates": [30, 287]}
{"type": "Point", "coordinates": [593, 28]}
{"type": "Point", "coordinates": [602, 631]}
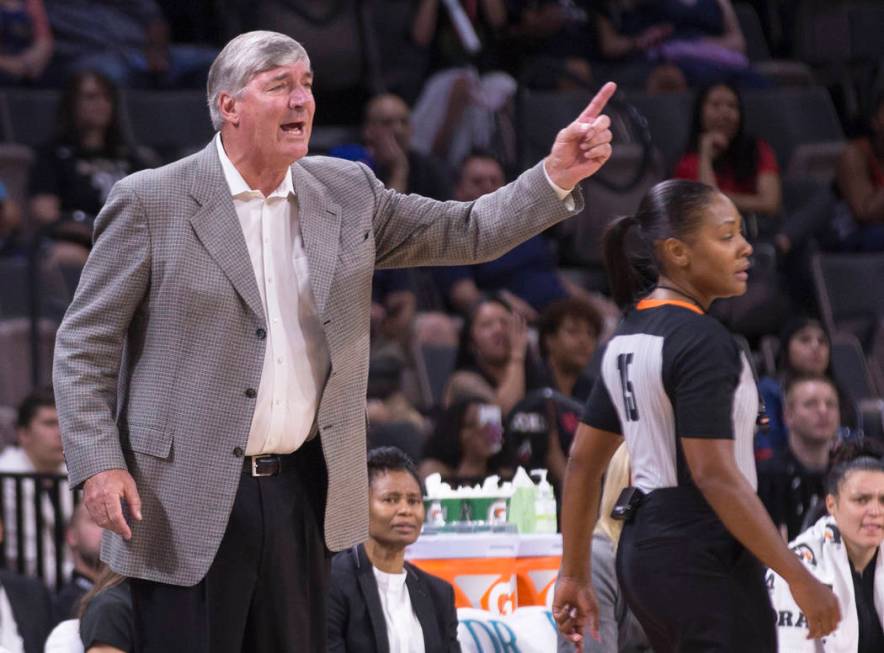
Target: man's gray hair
{"type": "Point", "coordinates": [244, 57]}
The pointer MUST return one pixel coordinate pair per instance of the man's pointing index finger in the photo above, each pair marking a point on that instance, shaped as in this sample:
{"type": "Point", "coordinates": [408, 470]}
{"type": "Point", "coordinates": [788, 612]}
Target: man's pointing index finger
{"type": "Point", "coordinates": [597, 104]}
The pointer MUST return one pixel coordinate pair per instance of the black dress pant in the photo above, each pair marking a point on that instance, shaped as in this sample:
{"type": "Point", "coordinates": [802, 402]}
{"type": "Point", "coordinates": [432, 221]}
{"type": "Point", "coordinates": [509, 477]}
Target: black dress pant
{"type": "Point", "coordinates": [264, 592]}
{"type": "Point", "coordinates": [690, 584]}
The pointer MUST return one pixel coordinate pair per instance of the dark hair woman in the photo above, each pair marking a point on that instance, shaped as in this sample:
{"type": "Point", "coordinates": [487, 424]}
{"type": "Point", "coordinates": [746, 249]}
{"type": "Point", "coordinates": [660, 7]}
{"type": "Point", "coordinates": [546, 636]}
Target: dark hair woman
{"type": "Point", "coordinates": [493, 357]}
{"type": "Point", "coordinates": [73, 174]}
{"type": "Point", "coordinates": [843, 549]}
{"type": "Point", "coordinates": [805, 349]}
{"type": "Point", "coordinates": [860, 184]}
{"type": "Point", "coordinates": [107, 623]}
{"type": "Point", "coordinates": [721, 154]}
{"type": "Point", "coordinates": [680, 391]}
{"type": "Point", "coordinates": [467, 444]}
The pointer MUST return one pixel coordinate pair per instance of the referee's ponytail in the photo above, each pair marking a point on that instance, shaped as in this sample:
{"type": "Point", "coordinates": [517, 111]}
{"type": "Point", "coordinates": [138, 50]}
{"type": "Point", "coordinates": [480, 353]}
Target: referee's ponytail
{"type": "Point", "coordinates": [625, 274]}
{"type": "Point", "coordinates": [671, 209]}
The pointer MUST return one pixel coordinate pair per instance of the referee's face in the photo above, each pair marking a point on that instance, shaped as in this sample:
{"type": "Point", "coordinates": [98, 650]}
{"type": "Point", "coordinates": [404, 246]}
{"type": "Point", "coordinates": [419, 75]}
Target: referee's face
{"type": "Point", "coordinates": [716, 256]}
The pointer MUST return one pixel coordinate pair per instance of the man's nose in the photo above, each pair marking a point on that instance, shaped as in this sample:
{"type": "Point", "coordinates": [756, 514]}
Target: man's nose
{"type": "Point", "coordinates": [297, 97]}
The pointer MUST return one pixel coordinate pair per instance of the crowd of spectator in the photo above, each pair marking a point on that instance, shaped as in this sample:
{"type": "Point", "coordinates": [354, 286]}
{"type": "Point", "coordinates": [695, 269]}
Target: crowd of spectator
{"type": "Point", "coordinates": [474, 370]}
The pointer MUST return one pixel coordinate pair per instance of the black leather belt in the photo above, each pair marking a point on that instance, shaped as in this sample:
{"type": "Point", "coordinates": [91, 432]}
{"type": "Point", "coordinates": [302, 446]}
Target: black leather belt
{"type": "Point", "coordinates": [267, 464]}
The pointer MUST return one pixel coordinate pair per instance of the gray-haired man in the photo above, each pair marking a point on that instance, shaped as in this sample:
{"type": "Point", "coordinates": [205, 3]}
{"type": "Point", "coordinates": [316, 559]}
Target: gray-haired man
{"type": "Point", "coordinates": [211, 371]}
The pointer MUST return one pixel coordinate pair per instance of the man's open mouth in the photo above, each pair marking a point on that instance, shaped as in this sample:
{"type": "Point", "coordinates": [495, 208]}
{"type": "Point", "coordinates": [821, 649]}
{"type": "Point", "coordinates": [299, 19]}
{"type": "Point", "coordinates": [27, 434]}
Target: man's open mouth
{"type": "Point", "coordinates": [293, 127]}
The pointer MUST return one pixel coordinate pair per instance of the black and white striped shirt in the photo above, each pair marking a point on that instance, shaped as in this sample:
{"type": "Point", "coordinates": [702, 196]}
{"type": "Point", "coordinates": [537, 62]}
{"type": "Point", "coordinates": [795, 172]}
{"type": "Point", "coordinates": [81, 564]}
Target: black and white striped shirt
{"type": "Point", "coordinates": [672, 372]}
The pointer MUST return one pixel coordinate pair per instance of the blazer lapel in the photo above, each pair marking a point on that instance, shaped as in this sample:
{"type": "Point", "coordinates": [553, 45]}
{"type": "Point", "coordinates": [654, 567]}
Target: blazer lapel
{"type": "Point", "coordinates": [369, 588]}
{"type": "Point", "coordinates": [424, 610]}
{"type": "Point", "coordinates": [320, 224]}
{"type": "Point", "coordinates": [218, 228]}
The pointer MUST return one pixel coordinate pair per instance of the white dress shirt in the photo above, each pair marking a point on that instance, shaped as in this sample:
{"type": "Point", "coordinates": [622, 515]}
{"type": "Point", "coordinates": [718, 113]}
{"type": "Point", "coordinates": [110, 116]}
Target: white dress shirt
{"type": "Point", "coordinates": [404, 631]}
{"type": "Point", "coordinates": [296, 361]}
{"type": "Point", "coordinates": [10, 640]}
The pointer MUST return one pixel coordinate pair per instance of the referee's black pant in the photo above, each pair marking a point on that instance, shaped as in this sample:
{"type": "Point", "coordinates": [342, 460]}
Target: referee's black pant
{"type": "Point", "coordinates": [265, 590]}
{"type": "Point", "coordinates": [690, 584]}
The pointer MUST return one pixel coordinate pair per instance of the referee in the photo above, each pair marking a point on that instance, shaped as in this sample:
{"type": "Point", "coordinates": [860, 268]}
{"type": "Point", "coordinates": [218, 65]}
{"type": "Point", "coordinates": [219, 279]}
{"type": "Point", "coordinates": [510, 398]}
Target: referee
{"type": "Point", "coordinates": [678, 388]}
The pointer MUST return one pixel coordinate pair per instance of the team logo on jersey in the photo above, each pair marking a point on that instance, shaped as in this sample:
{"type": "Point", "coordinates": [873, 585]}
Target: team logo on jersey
{"type": "Point", "coordinates": [805, 553]}
{"type": "Point", "coordinates": [832, 535]}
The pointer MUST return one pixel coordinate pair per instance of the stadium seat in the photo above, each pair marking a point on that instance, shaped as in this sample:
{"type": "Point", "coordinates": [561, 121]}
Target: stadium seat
{"type": "Point", "coordinates": [7, 426]}
{"type": "Point", "coordinates": [789, 117]}
{"type": "Point", "coordinates": [871, 418]}
{"type": "Point", "coordinates": [324, 138]}
{"type": "Point", "coordinates": [15, 290]}
{"type": "Point", "coordinates": [798, 191]}
{"type": "Point", "coordinates": [769, 350]}
{"type": "Point", "coordinates": [756, 43]}
{"type": "Point", "coordinates": [32, 115]}
{"type": "Point", "coordinates": [15, 166]}
{"type": "Point", "coordinates": [816, 160]}
{"type": "Point", "coordinates": [669, 121]}
{"type": "Point", "coordinates": [849, 367]}
{"type": "Point", "coordinates": [540, 115]}
{"type": "Point", "coordinates": [169, 122]}
{"type": "Point", "coordinates": [403, 435]}
{"type": "Point", "coordinates": [434, 365]}
{"type": "Point", "coordinates": [822, 32]}
{"type": "Point", "coordinates": [5, 120]}
{"type": "Point", "coordinates": [876, 358]}
{"type": "Point", "coordinates": [585, 230]}
{"type": "Point", "coordinates": [16, 361]}
{"type": "Point", "coordinates": [866, 25]}
{"type": "Point", "coordinates": [783, 72]}
{"type": "Point", "coordinates": [850, 294]}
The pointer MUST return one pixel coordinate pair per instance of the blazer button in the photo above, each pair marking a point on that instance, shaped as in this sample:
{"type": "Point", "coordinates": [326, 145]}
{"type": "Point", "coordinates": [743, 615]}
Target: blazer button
{"type": "Point", "coordinates": [238, 452]}
{"type": "Point", "coordinates": [251, 393]}
{"type": "Point", "coordinates": [261, 334]}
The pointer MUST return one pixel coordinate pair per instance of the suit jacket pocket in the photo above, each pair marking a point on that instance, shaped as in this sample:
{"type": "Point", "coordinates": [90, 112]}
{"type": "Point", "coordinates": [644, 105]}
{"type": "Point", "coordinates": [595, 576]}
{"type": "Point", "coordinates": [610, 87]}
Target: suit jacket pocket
{"type": "Point", "coordinates": [150, 440]}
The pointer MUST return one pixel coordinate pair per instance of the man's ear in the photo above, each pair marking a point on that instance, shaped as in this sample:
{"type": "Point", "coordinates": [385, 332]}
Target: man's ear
{"type": "Point", "coordinates": [229, 108]}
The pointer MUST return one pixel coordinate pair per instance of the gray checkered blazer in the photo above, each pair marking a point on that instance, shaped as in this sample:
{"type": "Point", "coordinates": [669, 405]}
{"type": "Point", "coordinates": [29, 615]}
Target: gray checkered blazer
{"type": "Point", "coordinates": [157, 350]}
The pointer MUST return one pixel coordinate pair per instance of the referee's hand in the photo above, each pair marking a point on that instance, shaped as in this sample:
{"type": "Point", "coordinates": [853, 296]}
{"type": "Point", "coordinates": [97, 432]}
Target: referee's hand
{"type": "Point", "coordinates": [574, 607]}
{"type": "Point", "coordinates": [819, 605]}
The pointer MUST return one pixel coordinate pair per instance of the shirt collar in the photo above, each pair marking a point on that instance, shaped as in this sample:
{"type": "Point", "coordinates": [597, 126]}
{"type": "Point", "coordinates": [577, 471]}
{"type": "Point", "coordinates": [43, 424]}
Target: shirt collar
{"type": "Point", "coordinates": [238, 185]}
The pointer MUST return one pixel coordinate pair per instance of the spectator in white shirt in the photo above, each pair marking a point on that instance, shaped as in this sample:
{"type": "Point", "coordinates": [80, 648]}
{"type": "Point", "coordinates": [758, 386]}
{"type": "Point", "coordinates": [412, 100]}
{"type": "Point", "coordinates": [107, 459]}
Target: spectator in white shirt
{"type": "Point", "coordinates": [379, 602]}
{"type": "Point", "coordinates": [39, 451]}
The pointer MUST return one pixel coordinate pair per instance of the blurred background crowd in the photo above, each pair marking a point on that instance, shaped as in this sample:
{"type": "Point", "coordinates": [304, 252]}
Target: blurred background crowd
{"type": "Point", "coordinates": [478, 370]}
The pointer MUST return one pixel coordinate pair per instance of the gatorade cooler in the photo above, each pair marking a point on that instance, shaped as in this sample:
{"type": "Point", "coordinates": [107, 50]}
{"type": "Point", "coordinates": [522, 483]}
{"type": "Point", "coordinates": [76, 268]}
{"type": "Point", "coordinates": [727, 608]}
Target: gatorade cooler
{"type": "Point", "coordinates": [537, 567]}
{"type": "Point", "coordinates": [481, 567]}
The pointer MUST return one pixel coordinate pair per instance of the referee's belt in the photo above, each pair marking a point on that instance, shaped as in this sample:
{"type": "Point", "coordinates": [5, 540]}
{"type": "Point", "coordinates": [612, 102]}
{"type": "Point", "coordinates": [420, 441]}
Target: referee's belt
{"type": "Point", "coordinates": [268, 464]}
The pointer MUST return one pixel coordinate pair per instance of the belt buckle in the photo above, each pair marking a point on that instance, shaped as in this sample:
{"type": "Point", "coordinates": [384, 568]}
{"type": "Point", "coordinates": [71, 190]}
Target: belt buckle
{"type": "Point", "coordinates": [255, 459]}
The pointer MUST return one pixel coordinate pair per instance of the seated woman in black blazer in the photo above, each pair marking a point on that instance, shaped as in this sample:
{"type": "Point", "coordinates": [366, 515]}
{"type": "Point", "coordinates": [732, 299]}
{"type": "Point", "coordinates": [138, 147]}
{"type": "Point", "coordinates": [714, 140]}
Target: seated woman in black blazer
{"type": "Point", "coordinates": [378, 603]}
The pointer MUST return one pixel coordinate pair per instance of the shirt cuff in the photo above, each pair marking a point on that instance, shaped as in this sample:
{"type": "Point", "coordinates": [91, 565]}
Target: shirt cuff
{"type": "Point", "coordinates": [561, 193]}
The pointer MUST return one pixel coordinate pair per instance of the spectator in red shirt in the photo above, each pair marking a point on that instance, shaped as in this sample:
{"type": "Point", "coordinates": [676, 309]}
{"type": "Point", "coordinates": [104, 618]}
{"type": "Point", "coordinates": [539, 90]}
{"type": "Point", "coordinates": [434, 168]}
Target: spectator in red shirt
{"type": "Point", "coordinates": [720, 153]}
{"type": "Point", "coordinates": [743, 167]}
{"type": "Point", "coordinates": [860, 183]}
